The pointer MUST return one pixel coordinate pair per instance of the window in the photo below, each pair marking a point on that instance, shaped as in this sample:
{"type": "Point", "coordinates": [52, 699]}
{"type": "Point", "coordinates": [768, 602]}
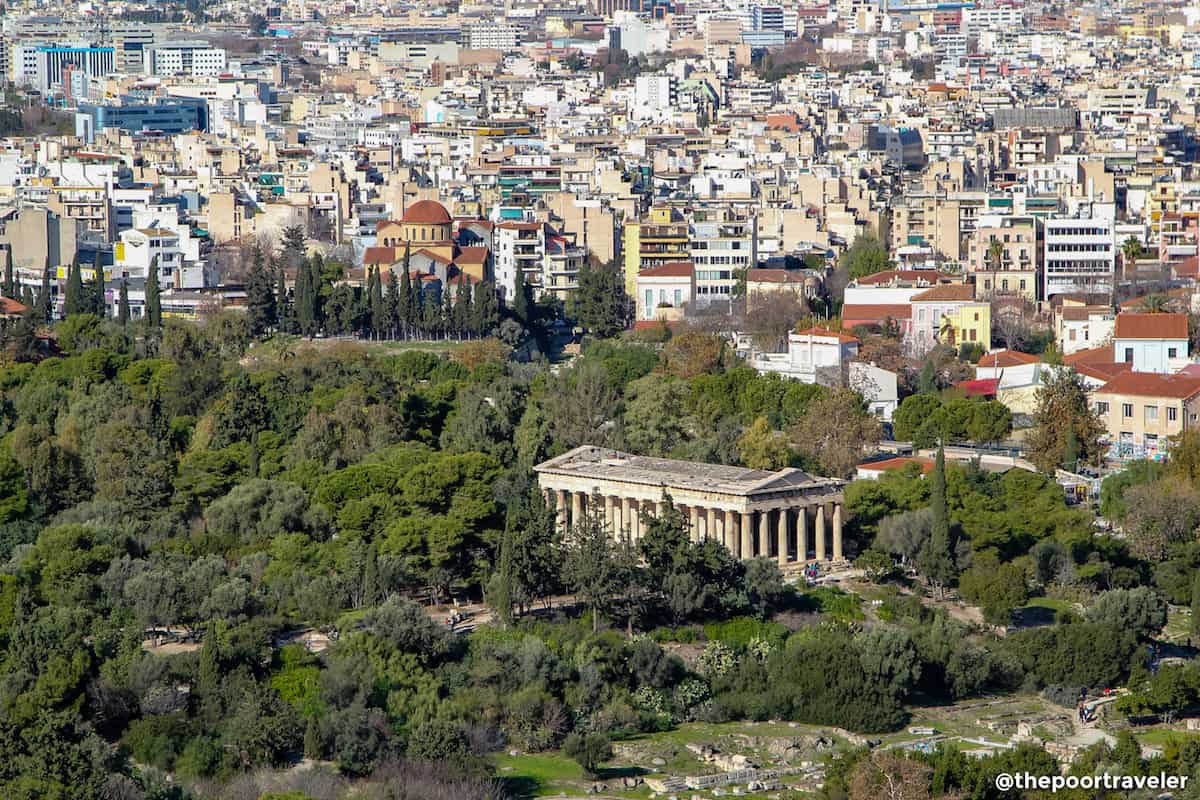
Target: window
{"type": "Point", "coordinates": [649, 301]}
{"type": "Point", "coordinates": [1022, 284]}
{"type": "Point", "coordinates": [1172, 352]}
{"type": "Point", "coordinates": [1127, 410]}
{"type": "Point", "coordinates": [1071, 335]}
{"type": "Point", "coordinates": [1128, 355]}
{"type": "Point", "coordinates": [1101, 408]}
{"type": "Point", "coordinates": [1151, 415]}
{"type": "Point", "coordinates": [1172, 413]}
{"type": "Point", "coordinates": [678, 297]}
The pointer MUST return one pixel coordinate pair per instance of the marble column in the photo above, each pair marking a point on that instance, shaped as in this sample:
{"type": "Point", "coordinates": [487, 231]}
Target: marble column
{"type": "Point", "coordinates": [764, 533]}
{"type": "Point", "coordinates": [837, 531]}
{"type": "Point", "coordinates": [802, 534]}
{"type": "Point", "coordinates": [631, 518]}
{"type": "Point", "coordinates": [694, 516]}
{"type": "Point", "coordinates": [710, 524]}
{"type": "Point", "coordinates": [560, 509]}
{"type": "Point", "coordinates": [819, 532]}
{"type": "Point", "coordinates": [781, 536]}
{"type": "Point", "coordinates": [723, 529]}
{"type": "Point", "coordinates": [614, 524]}
{"type": "Point", "coordinates": [576, 508]}
{"type": "Point", "coordinates": [745, 521]}
{"type": "Point", "coordinates": [660, 509]}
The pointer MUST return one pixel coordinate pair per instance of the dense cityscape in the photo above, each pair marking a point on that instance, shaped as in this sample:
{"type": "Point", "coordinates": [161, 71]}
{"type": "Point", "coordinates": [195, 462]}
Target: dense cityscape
{"type": "Point", "coordinates": [599, 398]}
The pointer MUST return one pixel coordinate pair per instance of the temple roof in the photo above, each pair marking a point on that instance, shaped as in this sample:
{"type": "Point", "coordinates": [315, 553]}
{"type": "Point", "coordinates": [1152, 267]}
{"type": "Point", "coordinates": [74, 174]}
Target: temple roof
{"type": "Point", "coordinates": [612, 465]}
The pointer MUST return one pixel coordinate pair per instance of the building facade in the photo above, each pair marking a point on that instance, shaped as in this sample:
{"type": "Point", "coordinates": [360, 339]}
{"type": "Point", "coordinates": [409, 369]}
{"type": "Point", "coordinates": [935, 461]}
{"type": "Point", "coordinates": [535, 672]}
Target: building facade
{"type": "Point", "coordinates": [787, 515]}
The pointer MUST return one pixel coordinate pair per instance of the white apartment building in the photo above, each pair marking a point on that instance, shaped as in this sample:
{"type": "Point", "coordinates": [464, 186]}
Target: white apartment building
{"type": "Point", "coordinates": [654, 98]}
{"type": "Point", "coordinates": [492, 36]}
{"type": "Point", "coordinates": [41, 66]}
{"type": "Point", "coordinates": [184, 58]}
{"type": "Point", "coordinates": [977, 20]}
{"type": "Point", "coordinates": [1079, 256]}
{"type": "Point", "coordinates": [720, 245]}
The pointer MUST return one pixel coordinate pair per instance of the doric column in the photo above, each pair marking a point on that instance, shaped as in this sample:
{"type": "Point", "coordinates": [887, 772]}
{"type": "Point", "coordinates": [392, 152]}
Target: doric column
{"type": "Point", "coordinates": [819, 532]}
{"type": "Point", "coordinates": [837, 531]}
{"type": "Point", "coordinates": [747, 520]}
{"type": "Point", "coordinates": [560, 509]}
{"type": "Point", "coordinates": [764, 533]}
{"type": "Point", "coordinates": [660, 509]}
{"type": "Point", "coordinates": [781, 535]}
{"type": "Point", "coordinates": [576, 508]}
{"type": "Point", "coordinates": [610, 517]}
{"type": "Point", "coordinates": [694, 516]}
{"type": "Point", "coordinates": [802, 534]}
{"type": "Point", "coordinates": [631, 518]}
{"type": "Point", "coordinates": [710, 525]}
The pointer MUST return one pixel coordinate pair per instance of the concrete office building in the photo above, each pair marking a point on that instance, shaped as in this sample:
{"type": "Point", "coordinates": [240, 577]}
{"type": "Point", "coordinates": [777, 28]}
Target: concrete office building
{"type": "Point", "coordinates": [184, 58]}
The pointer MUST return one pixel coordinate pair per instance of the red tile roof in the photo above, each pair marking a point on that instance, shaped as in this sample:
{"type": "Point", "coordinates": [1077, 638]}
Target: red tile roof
{"type": "Point", "coordinates": [672, 269]}
{"type": "Point", "coordinates": [1151, 326]}
{"type": "Point", "coordinates": [1083, 313]}
{"type": "Point", "coordinates": [981, 387]}
{"type": "Point", "coordinates": [471, 255]}
{"type": "Point", "coordinates": [775, 276]}
{"type": "Point", "coordinates": [1007, 358]}
{"type": "Point", "coordinates": [1152, 384]}
{"type": "Point", "coordinates": [899, 462]}
{"type": "Point", "coordinates": [951, 291]}
{"type": "Point", "coordinates": [1093, 355]}
{"type": "Point", "coordinates": [10, 306]}
{"type": "Point", "coordinates": [380, 255]}
{"type": "Point", "coordinates": [874, 312]}
{"type": "Point", "coordinates": [844, 338]}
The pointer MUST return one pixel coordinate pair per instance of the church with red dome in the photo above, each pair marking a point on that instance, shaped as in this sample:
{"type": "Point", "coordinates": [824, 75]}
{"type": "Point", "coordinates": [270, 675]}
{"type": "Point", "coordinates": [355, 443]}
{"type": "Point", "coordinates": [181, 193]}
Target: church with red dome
{"type": "Point", "coordinates": [434, 245]}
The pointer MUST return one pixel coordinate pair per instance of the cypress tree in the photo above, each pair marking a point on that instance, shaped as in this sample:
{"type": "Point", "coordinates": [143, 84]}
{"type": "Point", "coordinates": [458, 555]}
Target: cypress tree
{"type": "Point", "coordinates": [1195, 621]}
{"type": "Point", "coordinates": [123, 304]}
{"type": "Point", "coordinates": [521, 299]}
{"type": "Point", "coordinates": [153, 297]}
{"type": "Point", "coordinates": [305, 305]}
{"type": "Point", "coordinates": [391, 304]}
{"type": "Point", "coordinates": [485, 309]}
{"type": "Point", "coordinates": [10, 278]}
{"type": "Point", "coordinates": [285, 311]}
{"type": "Point", "coordinates": [936, 558]}
{"type": "Point", "coordinates": [73, 304]}
{"type": "Point", "coordinates": [316, 285]}
{"type": "Point", "coordinates": [499, 588]}
{"type": "Point", "coordinates": [27, 297]}
{"type": "Point", "coordinates": [447, 310]}
{"type": "Point", "coordinates": [260, 296]}
{"type": "Point", "coordinates": [404, 306]}
{"type": "Point", "coordinates": [378, 309]}
{"type": "Point", "coordinates": [43, 310]}
{"type": "Point", "coordinates": [1071, 450]}
{"type": "Point", "coordinates": [99, 306]}
{"type": "Point", "coordinates": [464, 319]}
{"type": "Point", "coordinates": [927, 381]}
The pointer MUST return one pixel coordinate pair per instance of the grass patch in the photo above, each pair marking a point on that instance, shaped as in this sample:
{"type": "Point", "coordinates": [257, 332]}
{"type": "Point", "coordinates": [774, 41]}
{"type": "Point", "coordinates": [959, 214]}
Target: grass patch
{"type": "Point", "coordinates": [538, 774]}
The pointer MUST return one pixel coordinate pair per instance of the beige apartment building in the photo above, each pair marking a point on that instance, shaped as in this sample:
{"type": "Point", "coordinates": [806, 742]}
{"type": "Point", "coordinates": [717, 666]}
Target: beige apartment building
{"type": "Point", "coordinates": [1016, 273]}
{"type": "Point", "coordinates": [1142, 410]}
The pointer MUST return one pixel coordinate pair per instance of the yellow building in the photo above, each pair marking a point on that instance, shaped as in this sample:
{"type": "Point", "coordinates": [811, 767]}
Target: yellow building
{"type": "Point", "coordinates": [949, 314]}
{"type": "Point", "coordinates": [660, 238]}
